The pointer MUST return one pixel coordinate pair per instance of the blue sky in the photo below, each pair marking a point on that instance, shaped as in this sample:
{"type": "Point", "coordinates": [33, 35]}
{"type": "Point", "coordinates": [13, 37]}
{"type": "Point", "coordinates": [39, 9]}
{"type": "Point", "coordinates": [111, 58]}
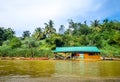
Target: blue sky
{"type": "Point", "coordinates": [23, 15]}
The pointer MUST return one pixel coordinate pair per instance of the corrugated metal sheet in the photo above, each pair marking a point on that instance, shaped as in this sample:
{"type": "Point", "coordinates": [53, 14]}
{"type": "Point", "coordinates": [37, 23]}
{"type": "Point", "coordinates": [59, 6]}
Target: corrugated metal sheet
{"type": "Point", "coordinates": [77, 49]}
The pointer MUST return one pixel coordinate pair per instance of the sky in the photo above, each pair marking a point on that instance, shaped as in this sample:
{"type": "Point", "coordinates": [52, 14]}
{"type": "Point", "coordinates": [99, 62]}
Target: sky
{"type": "Point", "coordinates": [22, 15]}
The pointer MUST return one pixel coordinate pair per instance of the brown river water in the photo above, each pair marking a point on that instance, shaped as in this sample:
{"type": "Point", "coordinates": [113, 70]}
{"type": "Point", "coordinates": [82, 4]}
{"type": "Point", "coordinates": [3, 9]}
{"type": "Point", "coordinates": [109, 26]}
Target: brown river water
{"type": "Point", "coordinates": [59, 71]}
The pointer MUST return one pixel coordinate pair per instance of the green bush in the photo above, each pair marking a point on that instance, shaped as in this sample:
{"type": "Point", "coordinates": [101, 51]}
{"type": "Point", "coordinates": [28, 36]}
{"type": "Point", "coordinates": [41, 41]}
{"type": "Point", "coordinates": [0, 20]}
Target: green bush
{"type": "Point", "coordinates": [15, 42]}
{"type": "Point", "coordinates": [4, 51]}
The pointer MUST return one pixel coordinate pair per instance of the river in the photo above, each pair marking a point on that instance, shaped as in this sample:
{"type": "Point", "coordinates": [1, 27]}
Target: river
{"type": "Point", "coordinates": [59, 70]}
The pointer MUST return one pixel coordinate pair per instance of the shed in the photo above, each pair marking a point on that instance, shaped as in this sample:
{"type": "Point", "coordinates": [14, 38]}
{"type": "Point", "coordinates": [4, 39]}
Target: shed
{"type": "Point", "coordinates": [84, 52]}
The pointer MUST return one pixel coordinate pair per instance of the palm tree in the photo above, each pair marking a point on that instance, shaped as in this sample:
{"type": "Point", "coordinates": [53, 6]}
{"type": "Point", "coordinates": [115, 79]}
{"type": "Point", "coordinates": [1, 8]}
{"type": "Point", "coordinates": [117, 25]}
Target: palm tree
{"type": "Point", "coordinates": [95, 25]}
{"type": "Point", "coordinates": [49, 28]}
{"type": "Point", "coordinates": [38, 33]}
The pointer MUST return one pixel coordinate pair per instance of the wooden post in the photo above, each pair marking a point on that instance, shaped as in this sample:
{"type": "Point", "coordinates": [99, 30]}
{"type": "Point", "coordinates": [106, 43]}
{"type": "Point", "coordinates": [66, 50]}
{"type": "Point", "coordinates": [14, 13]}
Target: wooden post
{"type": "Point", "coordinates": [55, 55]}
{"type": "Point", "coordinates": [65, 56]}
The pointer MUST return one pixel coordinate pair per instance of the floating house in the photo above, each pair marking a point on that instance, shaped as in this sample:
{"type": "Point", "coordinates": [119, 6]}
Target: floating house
{"type": "Point", "coordinates": [88, 52]}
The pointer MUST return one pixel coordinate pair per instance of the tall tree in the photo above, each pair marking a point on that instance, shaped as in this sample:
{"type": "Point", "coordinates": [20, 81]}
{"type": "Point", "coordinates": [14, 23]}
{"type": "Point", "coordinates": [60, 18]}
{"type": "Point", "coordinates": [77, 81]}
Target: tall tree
{"type": "Point", "coordinates": [84, 29]}
{"type": "Point", "coordinates": [49, 28]}
{"type": "Point", "coordinates": [95, 23]}
{"type": "Point", "coordinates": [1, 35]}
{"type": "Point", "coordinates": [6, 34]}
{"type": "Point", "coordinates": [38, 34]}
{"type": "Point", "coordinates": [26, 34]}
{"type": "Point", "coordinates": [61, 29]}
{"type": "Point", "coordinates": [95, 26]}
{"type": "Point", "coordinates": [71, 27]}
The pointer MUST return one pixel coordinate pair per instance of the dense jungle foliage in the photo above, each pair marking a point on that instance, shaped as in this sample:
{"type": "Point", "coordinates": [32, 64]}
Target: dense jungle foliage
{"type": "Point", "coordinates": [105, 35]}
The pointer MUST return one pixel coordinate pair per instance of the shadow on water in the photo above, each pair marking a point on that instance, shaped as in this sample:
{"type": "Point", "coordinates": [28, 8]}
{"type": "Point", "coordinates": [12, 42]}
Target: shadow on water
{"type": "Point", "coordinates": [59, 69]}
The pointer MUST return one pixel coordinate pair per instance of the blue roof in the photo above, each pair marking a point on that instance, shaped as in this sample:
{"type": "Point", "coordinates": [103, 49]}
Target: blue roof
{"type": "Point", "coordinates": [77, 49]}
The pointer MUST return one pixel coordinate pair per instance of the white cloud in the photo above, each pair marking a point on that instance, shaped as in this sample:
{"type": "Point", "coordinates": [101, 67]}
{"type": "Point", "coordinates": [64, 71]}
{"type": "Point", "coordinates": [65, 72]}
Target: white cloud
{"type": "Point", "coordinates": [27, 14]}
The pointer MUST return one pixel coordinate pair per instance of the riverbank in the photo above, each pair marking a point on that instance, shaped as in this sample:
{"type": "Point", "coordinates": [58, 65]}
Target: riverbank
{"type": "Point", "coordinates": [57, 79]}
{"type": "Point", "coordinates": [23, 58]}
{"type": "Point", "coordinates": [46, 58]}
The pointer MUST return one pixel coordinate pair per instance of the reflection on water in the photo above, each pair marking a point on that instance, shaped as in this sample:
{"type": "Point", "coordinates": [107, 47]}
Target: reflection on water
{"type": "Point", "coordinates": [82, 68]}
{"type": "Point", "coordinates": [30, 68]}
{"type": "Point", "coordinates": [52, 68]}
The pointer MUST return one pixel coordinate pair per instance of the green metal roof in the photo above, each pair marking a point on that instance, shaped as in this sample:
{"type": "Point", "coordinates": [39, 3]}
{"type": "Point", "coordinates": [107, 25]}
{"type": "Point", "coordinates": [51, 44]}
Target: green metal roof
{"type": "Point", "coordinates": [77, 49]}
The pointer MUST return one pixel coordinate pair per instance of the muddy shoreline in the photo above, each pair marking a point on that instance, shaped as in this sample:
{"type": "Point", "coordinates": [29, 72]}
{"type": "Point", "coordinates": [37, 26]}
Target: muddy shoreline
{"type": "Point", "coordinates": [57, 79]}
